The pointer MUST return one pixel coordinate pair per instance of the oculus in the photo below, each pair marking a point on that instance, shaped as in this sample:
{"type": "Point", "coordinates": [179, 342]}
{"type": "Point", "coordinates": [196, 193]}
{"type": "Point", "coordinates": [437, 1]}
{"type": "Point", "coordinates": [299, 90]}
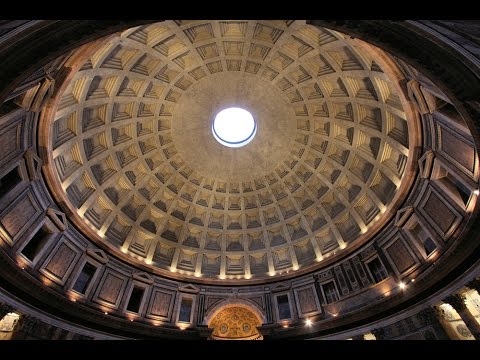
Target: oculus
{"type": "Point", "coordinates": [234, 127]}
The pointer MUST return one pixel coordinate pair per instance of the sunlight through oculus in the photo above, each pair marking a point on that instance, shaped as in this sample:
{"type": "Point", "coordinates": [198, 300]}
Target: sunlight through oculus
{"type": "Point", "coordinates": [234, 127]}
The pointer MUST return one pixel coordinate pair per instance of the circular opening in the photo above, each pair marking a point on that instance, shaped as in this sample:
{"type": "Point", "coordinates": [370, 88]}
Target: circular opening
{"type": "Point", "coordinates": [234, 127]}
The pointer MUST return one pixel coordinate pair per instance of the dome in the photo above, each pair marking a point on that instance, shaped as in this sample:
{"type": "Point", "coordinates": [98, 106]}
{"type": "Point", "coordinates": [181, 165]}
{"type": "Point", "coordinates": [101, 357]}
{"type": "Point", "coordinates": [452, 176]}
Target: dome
{"type": "Point", "coordinates": [239, 179]}
{"type": "Point", "coordinates": [132, 148]}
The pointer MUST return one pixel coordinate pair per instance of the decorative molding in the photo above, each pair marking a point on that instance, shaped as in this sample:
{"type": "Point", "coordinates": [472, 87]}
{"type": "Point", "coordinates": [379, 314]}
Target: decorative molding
{"type": "Point", "coordinates": [425, 164]}
{"type": "Point", "coordinates": [58, 218]}
{"type": "Point", "coordinates": [417, 96]}
{"type": "Point", "coordinates": [34, 164]}
{"type": "Point", "coordinates": [457, 301]}
{"type": "Point", "coordinates": [403, 215]}
{"type": "Point", "coordinates": [98, 255]}
{"type": "Point", "coordinates": [35, 98]}
{"type": "Point", "coordinates": [285, 286]}
{"type": "Point", "coordinates": [143, 277]}
{"type": "Point", "coordinates": [191, 289]}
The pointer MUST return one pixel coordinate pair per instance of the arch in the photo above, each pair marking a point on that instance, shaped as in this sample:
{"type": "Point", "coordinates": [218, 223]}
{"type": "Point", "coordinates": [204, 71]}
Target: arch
{"type": "Point", "coordinates": [235, 322]}
{"type": "Point", "coordinates": [249, 305]}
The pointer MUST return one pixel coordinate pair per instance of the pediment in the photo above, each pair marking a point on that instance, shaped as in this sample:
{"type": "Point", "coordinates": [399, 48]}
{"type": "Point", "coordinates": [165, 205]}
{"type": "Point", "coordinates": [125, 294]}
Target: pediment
{"type": "Point", "coordinates": [189, 289]}
{"type": "Point", "coordinates": [58, 218]}
{"type": "Point", "coordinates": [98, 255]}
{"type": "Point", "coordinates": [143, 277]}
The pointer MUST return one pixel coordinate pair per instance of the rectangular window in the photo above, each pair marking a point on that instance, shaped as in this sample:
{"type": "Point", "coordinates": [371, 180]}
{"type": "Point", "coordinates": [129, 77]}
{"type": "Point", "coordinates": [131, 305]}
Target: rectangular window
{"type": "Point", "coordinates": [84, 278]}
{"type": "Point", "coordinates": [185, 310]}
{"type": "Point", "coordinates": [378, 271]}
{"type": "Point", "coordinates": [135, 299]}
{"type": "Point", "coordinates": [9, 181]}
{"type": "Point", "coordinates": [283, 307]}
{"type": "Point", "coordinates": [330, 292]}
{"type": "Point", "coordinates": [36, 243]}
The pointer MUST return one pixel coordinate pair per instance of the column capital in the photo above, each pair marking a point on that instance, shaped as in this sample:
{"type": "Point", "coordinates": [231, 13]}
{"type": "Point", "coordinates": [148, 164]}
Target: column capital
{"type": "Point", "coordinates": [440, 313]}
{"type": "Point", "coordinates": [5, 309]}
{"type": "Point", "coordinates": [474, 285]}
{"type": "Point", "coordinates": [457, 301]}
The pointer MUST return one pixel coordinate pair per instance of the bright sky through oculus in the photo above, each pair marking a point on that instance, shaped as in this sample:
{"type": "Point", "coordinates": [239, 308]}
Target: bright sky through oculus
{"type": "Point", "coordinates": [234, 127]}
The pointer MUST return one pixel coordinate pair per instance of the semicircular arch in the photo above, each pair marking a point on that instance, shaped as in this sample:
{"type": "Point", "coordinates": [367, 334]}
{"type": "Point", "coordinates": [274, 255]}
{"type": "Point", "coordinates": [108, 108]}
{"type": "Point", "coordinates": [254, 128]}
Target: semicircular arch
{"type": "Point", "coordinates": [243, 303]}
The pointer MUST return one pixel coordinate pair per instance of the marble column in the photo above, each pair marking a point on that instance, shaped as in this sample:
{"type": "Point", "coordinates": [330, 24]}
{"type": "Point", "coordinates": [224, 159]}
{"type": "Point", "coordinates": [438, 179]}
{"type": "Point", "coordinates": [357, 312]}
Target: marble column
{"type": "Point", "coordinates": [457, 301]}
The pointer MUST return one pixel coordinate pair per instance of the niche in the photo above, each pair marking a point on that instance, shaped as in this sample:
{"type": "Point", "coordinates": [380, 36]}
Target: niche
{"type": "Point", "coordinates": [330, 292]}
{"type": "Point", "coordinates": [421, 238]}
{"type": "Point", "coordinates": [9, 181]}
{"type": "Point", "coordinates": [451, 184]}
{"type": "Point", "coordinates": [135, 300]}
{"type": "Point", "coordinates": [283, 305]}
{"type": "Point", "coordinates": [185, 312]}
{"type": "Point", "coordinates": [85, 278]}
{"type": "Point", "coordinates": [37, 242]}
{"type": "Point", "coordinates": [377, 270]}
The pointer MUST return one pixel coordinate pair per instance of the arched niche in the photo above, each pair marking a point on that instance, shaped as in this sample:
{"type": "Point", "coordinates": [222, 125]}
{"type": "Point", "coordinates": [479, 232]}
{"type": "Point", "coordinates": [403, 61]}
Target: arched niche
{"type": "Point", "coordinates": [235, 322]}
